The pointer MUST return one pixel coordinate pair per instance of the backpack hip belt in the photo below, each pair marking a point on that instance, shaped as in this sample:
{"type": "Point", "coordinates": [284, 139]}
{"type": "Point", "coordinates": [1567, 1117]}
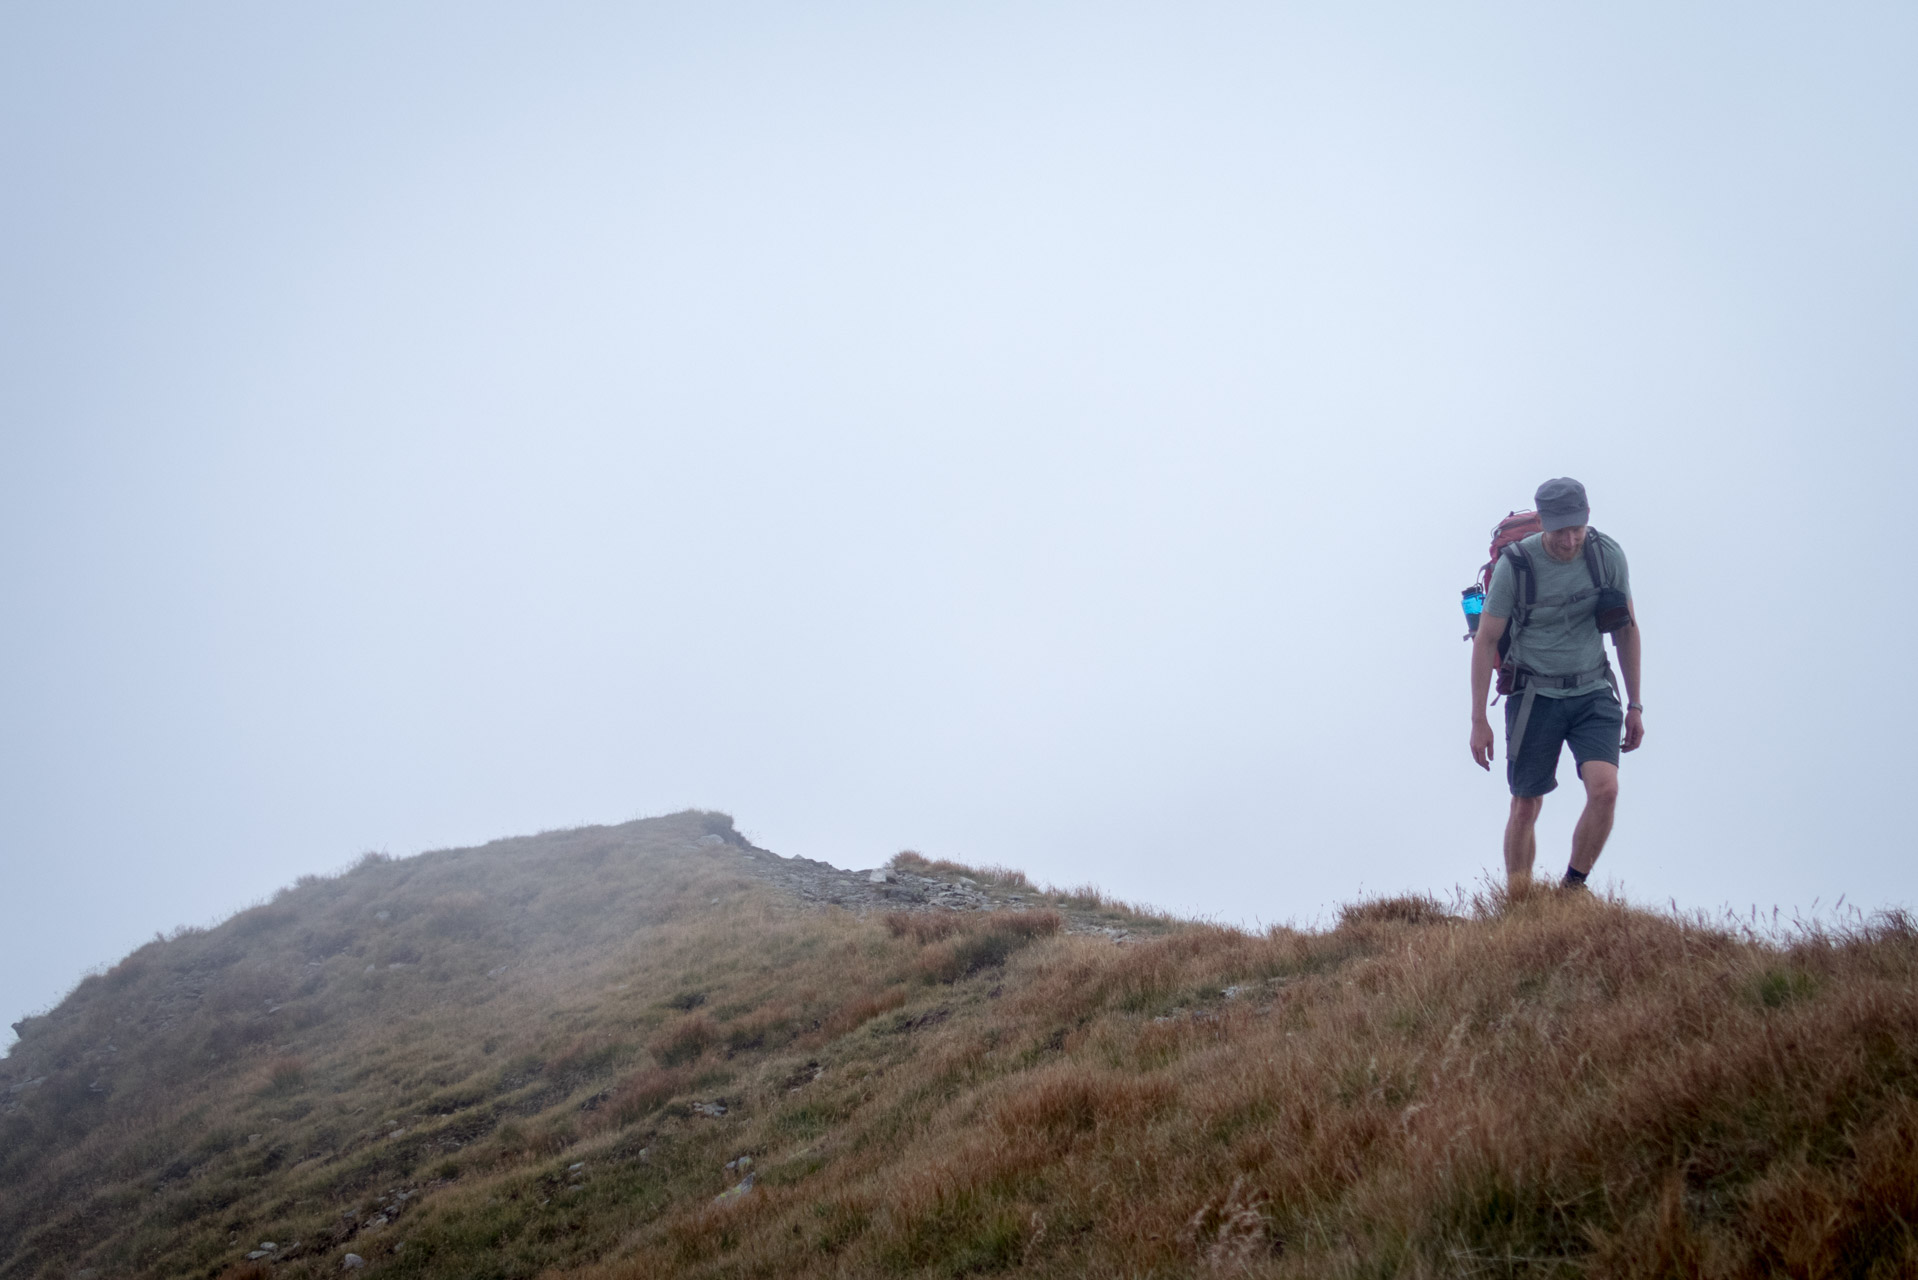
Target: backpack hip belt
{"type": "Point", "coordinates": [1530, 682]}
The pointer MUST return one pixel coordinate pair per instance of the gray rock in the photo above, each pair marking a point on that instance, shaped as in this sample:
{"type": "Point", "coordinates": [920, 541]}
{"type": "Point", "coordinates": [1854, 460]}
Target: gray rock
{"type": "Point", "coordinates": [713, 1109]}
{"type": "Point", "coordinates": [257, 1254]}
{"type": "Point", "coordinates": [574, 1168]}
{"type": "Point", "coordinates": [879, 877]}
{"type": "Point", "coordinates": [739, 1192]}
{"type": "Point", "coordinates": [711, 841]}
{"type": "Point", "coordinates": [352, 1262]}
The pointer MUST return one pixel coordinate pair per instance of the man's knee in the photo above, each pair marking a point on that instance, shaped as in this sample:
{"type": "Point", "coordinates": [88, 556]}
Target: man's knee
{"type": "Point", "coordinates": [1525, 809]}
{"type": "Point", "coordinates": [1601, 783]}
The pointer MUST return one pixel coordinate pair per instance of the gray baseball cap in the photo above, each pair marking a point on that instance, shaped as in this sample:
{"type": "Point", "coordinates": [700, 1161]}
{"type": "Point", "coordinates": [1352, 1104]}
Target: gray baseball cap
{"type": "Point", "coordinates": [1561, 504]}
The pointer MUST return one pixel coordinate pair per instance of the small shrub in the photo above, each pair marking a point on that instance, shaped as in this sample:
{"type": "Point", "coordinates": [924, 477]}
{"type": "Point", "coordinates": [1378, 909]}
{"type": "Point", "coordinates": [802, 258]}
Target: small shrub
{"type": "Point", "coordinates": [1028, 925]}
{"type": "Point", "coordinates": [920, 864]}
{"type": "Point", "coordinates": [641, 1094]}
{"type": "Point", "coordinates": [923, 926]}
{"type": "Point", "coordinates": [856, 1012]}
{"type": "Point", "coordinates": [759, 1029]}
{"type": "Point", "coordinates": [1087, 897]}
{"type": "Point", "coordinates": [1076, 1098]}
{"type": "Point", "coordinates": [985, 941]}
{"type": "Point", "coordinates": [286, 1076]}
{"type": "Point", "coordinates": [1776, 988]}
{"type": "Point", "coordinates": [584, 1058]}
{"type": "Point", "coordinates": [685, 1040]}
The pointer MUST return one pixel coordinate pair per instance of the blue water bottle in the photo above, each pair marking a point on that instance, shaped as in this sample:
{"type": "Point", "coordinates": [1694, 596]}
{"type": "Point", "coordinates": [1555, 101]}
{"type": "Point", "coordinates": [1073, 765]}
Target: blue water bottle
{"type": "Point", "coordinates": [1472, 600]}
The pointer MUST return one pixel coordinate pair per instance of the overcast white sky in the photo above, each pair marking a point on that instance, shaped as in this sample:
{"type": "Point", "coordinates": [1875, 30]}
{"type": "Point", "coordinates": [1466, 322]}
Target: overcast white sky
{"type": "Point", "coordinates": [1041, 434]}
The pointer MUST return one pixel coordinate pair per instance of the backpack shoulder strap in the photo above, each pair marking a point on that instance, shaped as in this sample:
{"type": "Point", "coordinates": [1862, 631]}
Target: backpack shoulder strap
{"type": "Point", "coordinates": [1524, 583]}
{"type": "Point", "coordinates": [1594, 557]}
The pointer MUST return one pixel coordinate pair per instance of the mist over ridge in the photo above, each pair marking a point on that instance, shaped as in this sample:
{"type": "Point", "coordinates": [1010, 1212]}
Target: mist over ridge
{"type": "Point", "coordinates": [1043, 435]}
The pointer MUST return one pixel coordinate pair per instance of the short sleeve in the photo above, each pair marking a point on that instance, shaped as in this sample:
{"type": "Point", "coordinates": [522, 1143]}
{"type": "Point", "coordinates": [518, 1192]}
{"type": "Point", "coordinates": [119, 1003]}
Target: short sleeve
{"type": "Point", "coordinates": [1504, 592]}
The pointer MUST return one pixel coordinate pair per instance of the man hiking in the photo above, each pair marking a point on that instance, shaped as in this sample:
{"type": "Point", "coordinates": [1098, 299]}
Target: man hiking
{"type": "Point", "coordinates": [1561, 586]}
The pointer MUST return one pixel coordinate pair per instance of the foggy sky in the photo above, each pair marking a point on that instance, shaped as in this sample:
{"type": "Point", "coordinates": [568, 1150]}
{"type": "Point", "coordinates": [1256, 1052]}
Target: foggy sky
{"type": "Point", "coordinates": [1043, 434]}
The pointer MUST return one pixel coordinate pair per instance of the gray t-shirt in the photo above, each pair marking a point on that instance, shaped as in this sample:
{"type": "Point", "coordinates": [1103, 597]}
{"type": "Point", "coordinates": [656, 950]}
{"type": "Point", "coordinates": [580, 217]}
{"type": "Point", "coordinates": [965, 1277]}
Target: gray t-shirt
{"type": "Point", "coordinates": [1561, 639]}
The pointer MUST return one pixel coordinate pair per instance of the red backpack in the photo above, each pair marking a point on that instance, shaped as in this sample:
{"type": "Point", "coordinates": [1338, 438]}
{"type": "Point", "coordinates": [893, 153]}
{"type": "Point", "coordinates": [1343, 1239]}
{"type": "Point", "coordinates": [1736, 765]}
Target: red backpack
{"type": "Point", "coordinates": [1515, 526]}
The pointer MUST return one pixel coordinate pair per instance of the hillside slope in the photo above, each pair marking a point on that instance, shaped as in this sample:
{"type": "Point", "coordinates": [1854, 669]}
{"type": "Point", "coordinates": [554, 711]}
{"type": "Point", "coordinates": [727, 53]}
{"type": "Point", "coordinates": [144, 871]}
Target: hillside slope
{"type": "Point", "coordinates": [653, 1050]}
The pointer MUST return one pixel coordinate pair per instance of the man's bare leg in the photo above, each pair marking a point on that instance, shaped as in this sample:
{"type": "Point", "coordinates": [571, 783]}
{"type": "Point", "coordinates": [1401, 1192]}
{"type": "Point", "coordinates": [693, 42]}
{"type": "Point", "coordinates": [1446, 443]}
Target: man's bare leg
{"type": "Point", "coordinates": [1521, 841]}
{"type": "Point", "coordinates": [1595, 824]}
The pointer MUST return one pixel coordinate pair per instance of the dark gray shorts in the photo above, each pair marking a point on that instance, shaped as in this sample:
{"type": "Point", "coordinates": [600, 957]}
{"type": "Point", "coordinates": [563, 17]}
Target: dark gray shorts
{"type": "Point", "coordinates": [1593, 723]}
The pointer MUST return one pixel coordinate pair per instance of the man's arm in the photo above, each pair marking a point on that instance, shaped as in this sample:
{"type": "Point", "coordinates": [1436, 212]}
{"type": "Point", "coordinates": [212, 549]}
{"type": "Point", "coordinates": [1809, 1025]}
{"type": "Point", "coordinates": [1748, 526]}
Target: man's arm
{"type": "Point", "coordinates": [1626, 641]}
{"type": "Point", "coordinates": [1484, 663]}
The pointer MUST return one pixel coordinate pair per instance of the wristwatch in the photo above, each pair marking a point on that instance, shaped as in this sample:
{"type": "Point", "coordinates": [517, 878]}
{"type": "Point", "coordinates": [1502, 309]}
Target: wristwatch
{"type": "Point", "coordinates": [1634, 706]}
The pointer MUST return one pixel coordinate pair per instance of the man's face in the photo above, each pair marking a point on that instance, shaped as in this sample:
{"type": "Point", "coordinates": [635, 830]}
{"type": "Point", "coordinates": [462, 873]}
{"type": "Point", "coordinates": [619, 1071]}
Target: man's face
{"type": "Point", "coordinates": [1565, 544]}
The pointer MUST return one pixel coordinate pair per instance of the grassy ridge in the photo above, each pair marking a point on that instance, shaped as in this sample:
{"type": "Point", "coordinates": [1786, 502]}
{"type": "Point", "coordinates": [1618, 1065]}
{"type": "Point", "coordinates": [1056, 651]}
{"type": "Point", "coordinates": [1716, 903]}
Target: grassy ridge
{"type": "Point", "coordinates": [587, 1029]}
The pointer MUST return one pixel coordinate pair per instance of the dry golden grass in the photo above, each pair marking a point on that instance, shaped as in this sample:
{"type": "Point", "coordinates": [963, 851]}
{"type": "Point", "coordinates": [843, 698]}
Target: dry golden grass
{"type": "Point", "coordinates": [1556, 1086]}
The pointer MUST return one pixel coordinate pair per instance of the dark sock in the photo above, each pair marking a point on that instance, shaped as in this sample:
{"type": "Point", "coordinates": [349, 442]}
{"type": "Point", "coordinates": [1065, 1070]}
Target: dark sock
{"type": "Point", "coordinates": [1573, 876]}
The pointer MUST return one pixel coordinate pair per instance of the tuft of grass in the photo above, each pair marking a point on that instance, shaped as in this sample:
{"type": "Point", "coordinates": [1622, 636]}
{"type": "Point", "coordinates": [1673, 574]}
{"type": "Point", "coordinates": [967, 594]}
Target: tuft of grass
{"type": "Point", "coordinates": [923, 926]}
{"type": "Point", "coordinates": [1405, 909]}
{"type": "Point", "coordinates": [686, 1039]}
{"type": "Point", "coordinates": [909, 860]}
{"type": "Point", "coordinates": [958, 946]}
{"type": "Point", "coordinates": [643, 1093]}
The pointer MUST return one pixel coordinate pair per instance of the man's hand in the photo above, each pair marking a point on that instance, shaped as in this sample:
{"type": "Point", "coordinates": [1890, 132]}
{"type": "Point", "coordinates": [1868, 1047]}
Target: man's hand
{"type": "Point", "coordinates": [1484, 662]}
{"type": "Point", "coordinates": [1634, 731]}
{"type": "Point", "coordinates": [1482, 741]}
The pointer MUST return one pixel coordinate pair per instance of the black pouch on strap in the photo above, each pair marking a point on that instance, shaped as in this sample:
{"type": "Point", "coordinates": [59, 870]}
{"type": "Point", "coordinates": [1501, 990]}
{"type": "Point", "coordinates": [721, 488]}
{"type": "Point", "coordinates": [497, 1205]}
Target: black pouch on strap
{"type": "Point", "coordinates": [1614, 610]}
{"type": "Point", "coordinates": [1614, 606]}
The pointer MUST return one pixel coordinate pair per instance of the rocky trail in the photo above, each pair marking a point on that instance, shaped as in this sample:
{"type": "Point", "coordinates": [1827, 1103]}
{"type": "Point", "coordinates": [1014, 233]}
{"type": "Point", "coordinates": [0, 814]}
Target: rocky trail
{"type": "Point", "coordinates": [896, 888]}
